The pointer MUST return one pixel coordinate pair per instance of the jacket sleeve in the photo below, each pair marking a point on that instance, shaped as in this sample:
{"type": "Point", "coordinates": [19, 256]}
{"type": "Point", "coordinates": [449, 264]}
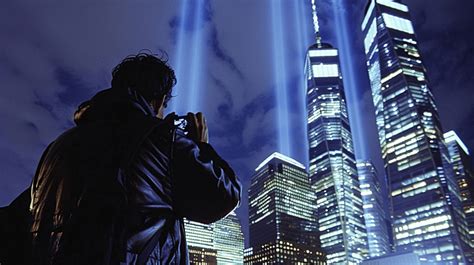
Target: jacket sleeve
{"type": "Point", "coordinates": [205, 188]}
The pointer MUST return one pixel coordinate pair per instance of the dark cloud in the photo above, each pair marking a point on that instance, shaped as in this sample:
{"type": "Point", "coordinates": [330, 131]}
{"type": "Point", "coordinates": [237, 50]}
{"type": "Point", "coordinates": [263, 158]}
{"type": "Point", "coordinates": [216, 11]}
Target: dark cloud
{"type": "Point", "coordinates": [216, 47]}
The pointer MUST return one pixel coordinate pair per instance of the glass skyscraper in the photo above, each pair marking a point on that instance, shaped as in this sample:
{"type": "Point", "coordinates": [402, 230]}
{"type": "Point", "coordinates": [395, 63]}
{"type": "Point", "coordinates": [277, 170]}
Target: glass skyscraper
{"type": "Point", "coordinates": [464, 172]}
{"type": "Point", "coordinates": [374, 213]}
{"type": "Point", "coordinates": [221, 242]}
{"type": "Point", "coordinates": [332, 165]}
{"type": "Point", "coordinates": [200, 240]}
{"type": "Point", "coordinates": [425, 201]}
{"type": "Point", "coordinates": [281, 221]}
{"type": "Point", "coordinates": [228, 240]}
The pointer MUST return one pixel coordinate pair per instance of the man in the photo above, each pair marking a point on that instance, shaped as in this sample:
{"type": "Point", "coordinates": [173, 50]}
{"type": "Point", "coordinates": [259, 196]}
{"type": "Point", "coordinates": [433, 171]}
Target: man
{"type": "Point", "coordinates": [115, 188]}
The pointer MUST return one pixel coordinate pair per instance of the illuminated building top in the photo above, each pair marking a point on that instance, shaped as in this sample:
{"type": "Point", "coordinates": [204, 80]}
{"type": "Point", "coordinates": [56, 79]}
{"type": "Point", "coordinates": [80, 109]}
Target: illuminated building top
{"type": "Point", "coordinates": [281, 157]}
{"type": "Point", "coordinates": [451, 136]}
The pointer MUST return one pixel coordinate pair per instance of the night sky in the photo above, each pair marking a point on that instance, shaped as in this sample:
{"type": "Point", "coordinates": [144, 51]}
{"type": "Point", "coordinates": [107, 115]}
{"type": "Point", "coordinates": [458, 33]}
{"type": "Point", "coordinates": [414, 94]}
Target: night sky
{"type": "Point", "coordinates": [54, 55]}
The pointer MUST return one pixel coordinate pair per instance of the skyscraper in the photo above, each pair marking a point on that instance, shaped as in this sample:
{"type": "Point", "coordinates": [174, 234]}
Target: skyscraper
{"type": "Point", "coordinates": [332, 165]}
{"type": "Point", "coordinates": [464, 172]}
{"type": "Point", "coordinates": [228, 240]}
{"type": "Point", "coordinates": [200, 240]}
{"type": "Point", "coordinates": [425, 201]}
{"type": "Point", "coordinates": [374, 213]}
{"type": "Point", "coordinates": [281, 222]}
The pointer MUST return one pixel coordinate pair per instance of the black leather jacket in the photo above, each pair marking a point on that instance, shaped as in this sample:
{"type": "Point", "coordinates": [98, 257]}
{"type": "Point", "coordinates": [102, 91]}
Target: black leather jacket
{"type": "Point", "coordinates": [117, 186]}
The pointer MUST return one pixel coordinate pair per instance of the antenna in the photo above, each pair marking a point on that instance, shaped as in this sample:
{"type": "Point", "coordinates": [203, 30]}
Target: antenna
{"type": "Point", "coordinates": [316, 23]}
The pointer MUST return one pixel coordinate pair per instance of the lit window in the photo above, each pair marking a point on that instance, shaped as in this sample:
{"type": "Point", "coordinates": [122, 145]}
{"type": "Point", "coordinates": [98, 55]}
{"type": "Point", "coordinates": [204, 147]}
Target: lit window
{"type": "Point", "coordinates": [398, 23]}
{"type": "Point", "coordinates": [393, 4]}
{"type": "Point", "coordinates": [323, 53]}
{"type": "Point", "coordinates": [325, 70]}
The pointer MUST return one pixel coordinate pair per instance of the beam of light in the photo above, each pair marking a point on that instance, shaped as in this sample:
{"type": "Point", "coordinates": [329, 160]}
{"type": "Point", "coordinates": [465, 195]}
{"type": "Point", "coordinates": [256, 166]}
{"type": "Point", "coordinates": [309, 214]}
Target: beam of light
{"type": "Point", "coordinates": [302, 45]}
{"type": "Point", "coordinates": [303, 15]}
{"type": "Point", "coordinates": [178, 58]}
{"type": "Point", "coordinates": [279, 72]}
{"type": "Point", "coordinates": [351, 90]}
{"type": "Point", "coordinates": [196, 72]}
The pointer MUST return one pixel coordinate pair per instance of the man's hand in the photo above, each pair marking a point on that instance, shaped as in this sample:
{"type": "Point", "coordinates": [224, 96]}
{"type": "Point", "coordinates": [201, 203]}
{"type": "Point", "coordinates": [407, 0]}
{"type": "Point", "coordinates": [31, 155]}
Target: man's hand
{"type": "Point", "coordinates": [197, 127]}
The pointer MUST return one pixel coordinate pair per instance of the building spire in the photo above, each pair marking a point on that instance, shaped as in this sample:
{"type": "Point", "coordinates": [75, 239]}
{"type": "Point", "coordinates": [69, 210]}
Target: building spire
{"type": "Point", "coordinates": [316, 23]}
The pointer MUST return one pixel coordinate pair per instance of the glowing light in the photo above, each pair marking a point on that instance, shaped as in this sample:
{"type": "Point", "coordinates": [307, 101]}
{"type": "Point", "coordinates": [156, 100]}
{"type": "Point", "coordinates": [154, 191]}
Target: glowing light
{"type": "Point", "coordinates": [178, 58]}
{"type": "Point", "coordinates": [343, 39]}
{"type": "Point", "coordinates": [304, 41]}
{"type": "Point", "coordinates": [315, 20]}
{"type": "Point", "coordinates": [188, 57]}
{"type": "Point", "coordinates": [281, 157]}
{"type": "Point", "coordinates": [196, 61]}
{"type": "Point", "coordinates": [398, 23]}
{"type": "Point", "coordinates": [280, 77]}
{"type": "Point", "coordinates": [323, 53]}
{"type": "Point", "coordinates": [451, 136]}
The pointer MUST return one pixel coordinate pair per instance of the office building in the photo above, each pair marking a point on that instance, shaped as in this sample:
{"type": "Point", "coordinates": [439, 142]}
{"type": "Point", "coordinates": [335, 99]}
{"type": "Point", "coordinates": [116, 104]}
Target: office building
{"type": "Point", "coordinates": [332, 165]}
{"type": "Point", "coordinates": [425, 200]}
{"type": "Point", "coordinates": [229, 240]}
{"type": "Point", "coordinates": [281, 221]}
{"type": "Point", "coordinates": [464, 172]}
{"type": "Point", "coordinates": [200, 240]}
{"type": "Point", "coordinates": [375, 216]}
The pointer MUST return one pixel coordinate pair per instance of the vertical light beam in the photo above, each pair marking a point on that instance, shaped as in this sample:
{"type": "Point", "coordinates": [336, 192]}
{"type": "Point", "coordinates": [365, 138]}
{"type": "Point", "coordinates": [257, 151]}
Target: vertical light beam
{"type": "Point", "coordinates": [178, 58]}
{"type": "Point", "coordinates": [196, 60]}
{"type": "Point", "coordinates": [301, 45]}
{"type": "Point", "coordinates": [343, 40]}
{"type": "Point", "coordinates": [280, 78]}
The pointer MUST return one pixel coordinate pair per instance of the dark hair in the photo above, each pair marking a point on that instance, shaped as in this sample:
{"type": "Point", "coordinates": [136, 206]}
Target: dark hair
{"type": "Point", "coordinates": [148, 74]}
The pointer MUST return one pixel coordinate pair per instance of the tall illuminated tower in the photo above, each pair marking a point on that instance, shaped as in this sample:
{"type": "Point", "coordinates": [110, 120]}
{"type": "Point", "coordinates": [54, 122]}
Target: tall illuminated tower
{"type": "Point", "coordinates": [229, 240]}
{"type": "Point", "coordinates": [332, 165]}
{"type": "Point", "coordinates": [281, 222]}
{"type": "Point", "coordinates": [374, 213]}
{"type": "Point", "coordinates": [426, 213]}
{"type": "Point", "coordinates": [464, 172]}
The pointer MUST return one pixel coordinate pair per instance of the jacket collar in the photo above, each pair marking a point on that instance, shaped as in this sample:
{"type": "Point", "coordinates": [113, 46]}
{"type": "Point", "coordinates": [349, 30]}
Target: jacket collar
{"type": "Point", "coordinates": [113, 105]}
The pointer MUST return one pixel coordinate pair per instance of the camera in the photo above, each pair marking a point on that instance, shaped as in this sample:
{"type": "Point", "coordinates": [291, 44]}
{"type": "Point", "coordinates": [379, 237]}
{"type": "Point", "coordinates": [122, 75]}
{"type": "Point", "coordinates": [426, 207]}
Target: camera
{"type": "Point", "coordinates": [181, 123]}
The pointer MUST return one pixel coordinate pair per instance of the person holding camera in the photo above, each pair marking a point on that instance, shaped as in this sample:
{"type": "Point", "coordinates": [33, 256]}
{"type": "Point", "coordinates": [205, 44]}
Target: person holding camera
{"type": "Point", "coordinates": [115, 188]}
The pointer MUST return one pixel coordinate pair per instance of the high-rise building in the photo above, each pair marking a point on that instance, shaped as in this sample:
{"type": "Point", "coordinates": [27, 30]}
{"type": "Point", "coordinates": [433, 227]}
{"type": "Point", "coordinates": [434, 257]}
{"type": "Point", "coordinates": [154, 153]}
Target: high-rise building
{"type": "Point", "coordinates": [394, 259]}
{"type": "Point", "coordinates": [332, 165]}
{"type": "Point", "coordinates": [374, 211]}
{"type": "Point", "coordinates": [425, 202]}
{"type": "Point", "coordinates": [464, 172]}
{"type": "Point", "coordinates": [200, 240]}
{"type": "Point", "coordinates": [228, 240]}
{"type": "Point", "coordinates": [281, 221]}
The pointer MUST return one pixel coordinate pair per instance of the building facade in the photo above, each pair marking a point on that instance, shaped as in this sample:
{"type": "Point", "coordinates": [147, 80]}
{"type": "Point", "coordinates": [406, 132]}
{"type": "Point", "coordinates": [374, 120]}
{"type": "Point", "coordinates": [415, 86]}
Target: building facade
{"type": "Point", "coordinates": [374, 211]}
{"type": "Point", "coordinates": [464, 172]}
{"type": "Point", "coordinates": [200, 240]}
{"type": "Point", "coordinates": [282, 228]}
{"type": "Point", "coordinates": [394, 259]}
{"type": "Point", "coordinates": [332, 165]}
{"type": "Point", "coordinates": [425, 201]}
{"type": "Point", "coordinates": [229, 240]}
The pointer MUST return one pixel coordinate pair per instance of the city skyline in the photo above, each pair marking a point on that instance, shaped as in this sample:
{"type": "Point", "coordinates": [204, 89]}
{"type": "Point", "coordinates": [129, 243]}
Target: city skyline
{"type": "Point", "coordinates": [258, 117]}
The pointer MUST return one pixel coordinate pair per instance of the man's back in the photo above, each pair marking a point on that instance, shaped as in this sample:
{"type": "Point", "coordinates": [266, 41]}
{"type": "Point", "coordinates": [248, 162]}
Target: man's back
{"type": "Point", "coordinates": [107, 191]}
